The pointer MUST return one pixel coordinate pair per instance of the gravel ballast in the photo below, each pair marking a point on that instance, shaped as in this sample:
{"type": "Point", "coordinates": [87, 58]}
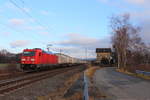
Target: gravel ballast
{"type": "Point", "coordinates": [40, 88]}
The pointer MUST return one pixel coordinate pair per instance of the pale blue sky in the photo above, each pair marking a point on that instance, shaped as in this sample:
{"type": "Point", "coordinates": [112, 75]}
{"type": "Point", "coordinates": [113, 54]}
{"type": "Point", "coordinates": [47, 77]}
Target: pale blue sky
{"type": "Point", "coordinates": [65, 23]}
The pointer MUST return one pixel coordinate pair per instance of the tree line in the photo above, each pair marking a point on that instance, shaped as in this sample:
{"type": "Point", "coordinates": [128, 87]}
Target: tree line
{"type": "Point", "coordinates": [129, 47]}
{"type": "Point", "coordinates": [7, 57]}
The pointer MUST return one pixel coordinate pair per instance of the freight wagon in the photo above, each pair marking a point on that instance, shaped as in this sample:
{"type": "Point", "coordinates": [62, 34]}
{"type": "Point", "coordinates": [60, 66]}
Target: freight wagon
{"type": "Point", "coordinates": [65, 59]}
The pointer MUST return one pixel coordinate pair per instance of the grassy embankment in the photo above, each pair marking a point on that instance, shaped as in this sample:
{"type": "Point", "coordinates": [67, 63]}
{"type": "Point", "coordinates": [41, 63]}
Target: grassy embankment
{"type": "Point", "coordinates": [133, 73]}
{"type": "Point", "coordinates": [90, 71]}
{"type": "Point", "coordinates": [3, 65]}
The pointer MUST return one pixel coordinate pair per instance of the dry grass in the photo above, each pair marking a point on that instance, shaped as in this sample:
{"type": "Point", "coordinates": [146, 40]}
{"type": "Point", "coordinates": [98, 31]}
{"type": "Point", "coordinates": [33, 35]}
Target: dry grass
{"type": "Point", "coordinates": [134, 74]}
{"type": "Point", "coordinates": [142, 67]}
{"type": "Point", "coordinates": [95, 93]}
{"type": "Point", "coordinates": [76, 96]}
{"type": "Point", "coordinates": [91, 70]}
{"type": "Point", "coordinates": [143, 76]}
{"type": "Point", "coordinates": [8, 69]}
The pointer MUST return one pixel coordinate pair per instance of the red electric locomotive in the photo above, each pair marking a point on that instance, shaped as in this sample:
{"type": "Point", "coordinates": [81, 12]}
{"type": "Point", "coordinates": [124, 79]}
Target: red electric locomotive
{"type": "Point", "coordinates": [33, 59]}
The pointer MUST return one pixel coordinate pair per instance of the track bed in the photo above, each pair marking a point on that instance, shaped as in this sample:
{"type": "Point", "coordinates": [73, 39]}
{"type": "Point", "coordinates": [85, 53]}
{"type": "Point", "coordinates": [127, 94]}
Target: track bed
{"type": "Point", "coordinates": [37, 84]}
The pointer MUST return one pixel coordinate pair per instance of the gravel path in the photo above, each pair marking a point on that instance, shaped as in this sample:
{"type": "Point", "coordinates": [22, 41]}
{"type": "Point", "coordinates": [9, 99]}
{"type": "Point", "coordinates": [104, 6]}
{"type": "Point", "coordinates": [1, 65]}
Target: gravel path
{"type": "Point", "coordinates": [31, 92]}
{"type": "Point", "coordinates": [119, 86]}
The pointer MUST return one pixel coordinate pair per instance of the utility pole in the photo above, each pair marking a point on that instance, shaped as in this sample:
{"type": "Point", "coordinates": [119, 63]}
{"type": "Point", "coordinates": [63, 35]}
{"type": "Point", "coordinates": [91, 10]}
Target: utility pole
{"type": "Point", "coordinates": [60, 51]}
{"type": "Point", "coordinates": [48, 46]}
{"type": "Point", "coordinates": [86, 54]}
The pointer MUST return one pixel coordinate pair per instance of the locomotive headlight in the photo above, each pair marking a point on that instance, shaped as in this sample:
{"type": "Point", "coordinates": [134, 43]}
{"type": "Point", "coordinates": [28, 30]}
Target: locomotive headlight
{"type": "Point", "coordinates": [23, 59]}
{"type": "Point", "coordinates": [32, 59]}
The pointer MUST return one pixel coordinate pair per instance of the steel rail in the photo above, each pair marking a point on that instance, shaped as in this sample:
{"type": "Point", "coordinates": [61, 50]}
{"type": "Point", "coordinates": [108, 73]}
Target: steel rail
{"type": "Point", "coordinates": [13, 85]}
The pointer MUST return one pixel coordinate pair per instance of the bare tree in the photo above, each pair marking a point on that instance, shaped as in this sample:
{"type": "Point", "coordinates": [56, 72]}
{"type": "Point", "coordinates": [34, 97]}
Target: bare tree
{"type": "Point", "coordinates": [130, 48]}
{"type": "Point", "coordinates": [7, 57]}
{"type": "Point", "coordinates": [120, 39]}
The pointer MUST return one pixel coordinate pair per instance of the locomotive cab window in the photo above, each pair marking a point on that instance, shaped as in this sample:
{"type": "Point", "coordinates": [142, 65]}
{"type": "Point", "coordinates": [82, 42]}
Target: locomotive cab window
{"type": "Point", "coordinates": [29, 53]}
{"type": "Point", "coordinates": [40, 54]}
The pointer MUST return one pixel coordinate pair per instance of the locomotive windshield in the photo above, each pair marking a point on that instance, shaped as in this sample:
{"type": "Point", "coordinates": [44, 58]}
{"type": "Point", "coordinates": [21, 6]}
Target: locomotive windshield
{"type": "Point", "coordinates": [29, 53]}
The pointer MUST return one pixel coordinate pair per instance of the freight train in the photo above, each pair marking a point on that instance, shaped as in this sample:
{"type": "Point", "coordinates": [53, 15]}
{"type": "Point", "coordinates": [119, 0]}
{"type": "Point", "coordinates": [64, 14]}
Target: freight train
{"type": "Point", "coordinates": [33, 59]}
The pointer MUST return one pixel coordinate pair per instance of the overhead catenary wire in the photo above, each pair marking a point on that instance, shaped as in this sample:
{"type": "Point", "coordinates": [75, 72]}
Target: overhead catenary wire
{"type": "Point", "coordinates": [25, 12]}
{"type": "Point", "coordinates": [18, 32]}
{"type": "Point", "coordinates": [9, 27]}
{"type": "Point", "coordinates": [15, 30]}
{"type": "Point", "coordinates": [29, 15]}
{"type": "Point", "coordinates": [22, 1]}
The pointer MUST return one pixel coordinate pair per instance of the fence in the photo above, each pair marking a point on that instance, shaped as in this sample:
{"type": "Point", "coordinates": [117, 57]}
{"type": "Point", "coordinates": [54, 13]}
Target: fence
{"type": "Point", "coordinates": [86, 95]}
{"type": "Point", "coordinates": [143, 72]}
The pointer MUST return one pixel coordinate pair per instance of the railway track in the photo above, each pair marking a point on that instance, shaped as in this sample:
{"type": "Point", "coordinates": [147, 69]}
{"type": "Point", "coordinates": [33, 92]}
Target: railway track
{"type": "Point", "coordinates": [11, 75]}
{"type": "Point", "coordinates": [9, 86]}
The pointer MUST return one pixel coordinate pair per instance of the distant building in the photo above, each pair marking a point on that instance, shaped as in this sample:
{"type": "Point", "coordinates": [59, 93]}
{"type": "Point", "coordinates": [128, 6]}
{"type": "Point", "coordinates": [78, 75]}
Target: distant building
{"type": "Point", "coordinates": [103, 55]}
